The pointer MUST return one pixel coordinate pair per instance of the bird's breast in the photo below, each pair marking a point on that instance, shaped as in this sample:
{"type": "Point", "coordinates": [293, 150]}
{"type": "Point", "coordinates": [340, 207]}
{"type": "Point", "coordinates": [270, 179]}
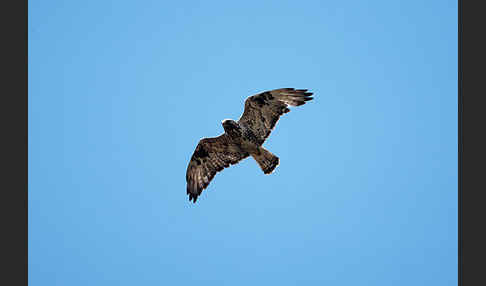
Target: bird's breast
{"type": "Point", "coordinates": [249, 135]}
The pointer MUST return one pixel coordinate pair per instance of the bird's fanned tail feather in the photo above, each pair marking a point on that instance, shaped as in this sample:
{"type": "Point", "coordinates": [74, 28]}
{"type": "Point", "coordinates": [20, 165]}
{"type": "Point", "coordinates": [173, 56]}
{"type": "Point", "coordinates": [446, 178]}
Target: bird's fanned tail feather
{"type": "Point", "coordinates": [266, 160]}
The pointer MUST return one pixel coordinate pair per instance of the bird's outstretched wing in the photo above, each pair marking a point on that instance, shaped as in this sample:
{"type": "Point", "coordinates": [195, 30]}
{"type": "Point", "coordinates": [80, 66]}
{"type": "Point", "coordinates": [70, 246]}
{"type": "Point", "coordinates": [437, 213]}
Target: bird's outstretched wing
{"type": "Point", "coordinates": [263, 110]}
{"type": "Point", "coordinates": [211, 156]}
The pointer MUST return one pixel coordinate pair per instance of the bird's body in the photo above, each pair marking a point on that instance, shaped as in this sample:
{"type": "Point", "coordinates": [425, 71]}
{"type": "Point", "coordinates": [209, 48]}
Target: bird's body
{"type": "Point", "coordinates": [242, 135]}
{"type": "Point", "coordinates": [242, 139]}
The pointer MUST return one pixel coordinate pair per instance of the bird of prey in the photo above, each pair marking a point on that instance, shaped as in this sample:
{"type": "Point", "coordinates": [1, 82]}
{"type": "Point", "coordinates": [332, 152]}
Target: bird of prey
{"type": "Point", "coordinates": [242, 138]}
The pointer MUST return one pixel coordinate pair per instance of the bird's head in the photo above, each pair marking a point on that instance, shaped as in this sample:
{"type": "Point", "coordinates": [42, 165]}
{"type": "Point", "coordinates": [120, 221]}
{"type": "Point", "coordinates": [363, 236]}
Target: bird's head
{"type": "Point", "coordinates": [230, 125]}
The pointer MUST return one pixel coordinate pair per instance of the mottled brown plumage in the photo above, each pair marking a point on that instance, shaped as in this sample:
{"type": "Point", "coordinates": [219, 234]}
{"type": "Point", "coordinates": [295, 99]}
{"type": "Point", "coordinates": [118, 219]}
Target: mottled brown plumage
{"type": "Point", "coordinates": [243, 138]}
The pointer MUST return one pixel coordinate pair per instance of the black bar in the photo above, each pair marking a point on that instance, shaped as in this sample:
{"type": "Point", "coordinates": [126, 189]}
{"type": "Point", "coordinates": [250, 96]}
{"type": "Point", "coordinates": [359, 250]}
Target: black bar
{"type": "Point", "coordinates": [472, 144]}
{"type": "Point", "coordinates": [14, 132]}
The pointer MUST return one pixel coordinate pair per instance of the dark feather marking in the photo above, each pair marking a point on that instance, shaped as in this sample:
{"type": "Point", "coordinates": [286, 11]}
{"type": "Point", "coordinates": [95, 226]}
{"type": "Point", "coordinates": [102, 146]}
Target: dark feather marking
{"type": "Point", "coordinates": [266, 95]}
{"type": "Point", "coordinates": [201, 152]}
{"type": "Point", "coordinates": [259, 100]}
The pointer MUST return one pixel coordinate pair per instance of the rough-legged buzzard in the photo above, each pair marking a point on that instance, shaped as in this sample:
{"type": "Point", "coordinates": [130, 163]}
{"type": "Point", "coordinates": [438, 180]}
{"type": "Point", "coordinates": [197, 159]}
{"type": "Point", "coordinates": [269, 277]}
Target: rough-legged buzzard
{"type": "Point", "coordinates": [243, 138]}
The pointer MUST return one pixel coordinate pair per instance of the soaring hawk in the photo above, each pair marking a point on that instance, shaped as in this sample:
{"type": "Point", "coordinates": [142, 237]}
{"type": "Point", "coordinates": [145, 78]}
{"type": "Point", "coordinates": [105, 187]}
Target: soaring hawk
{"type": "Point", "coordinates": [242, 138]}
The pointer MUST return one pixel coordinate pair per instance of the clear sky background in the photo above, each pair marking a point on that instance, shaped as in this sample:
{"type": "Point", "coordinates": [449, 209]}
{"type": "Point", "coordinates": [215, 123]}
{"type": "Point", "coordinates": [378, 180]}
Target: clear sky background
{"type": "Point", "coordinates": [120, 93]}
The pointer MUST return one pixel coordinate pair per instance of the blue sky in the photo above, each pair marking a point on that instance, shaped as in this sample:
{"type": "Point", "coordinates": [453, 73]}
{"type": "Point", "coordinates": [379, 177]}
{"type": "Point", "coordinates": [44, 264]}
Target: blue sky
{"type": "Point", "coordinates": [120, 92]}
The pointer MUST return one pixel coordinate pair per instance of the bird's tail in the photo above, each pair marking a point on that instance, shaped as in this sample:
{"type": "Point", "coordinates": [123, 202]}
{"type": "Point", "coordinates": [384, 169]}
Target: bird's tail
{"type": "Point", "coordinates": [267, 161]}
